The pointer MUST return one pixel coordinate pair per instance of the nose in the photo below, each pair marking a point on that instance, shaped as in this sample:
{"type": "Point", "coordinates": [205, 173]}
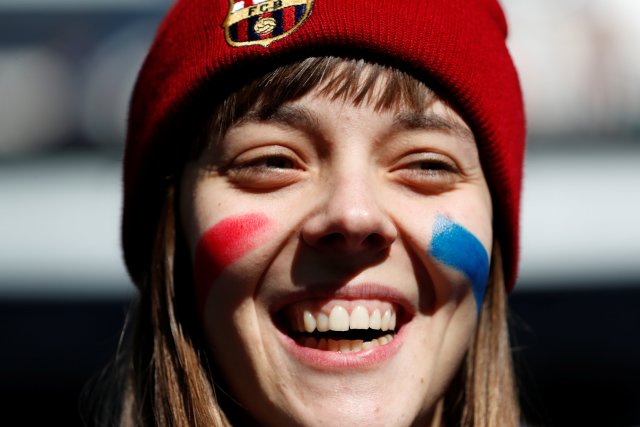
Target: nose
{"type": "Point", "coordinates": [350, 219]}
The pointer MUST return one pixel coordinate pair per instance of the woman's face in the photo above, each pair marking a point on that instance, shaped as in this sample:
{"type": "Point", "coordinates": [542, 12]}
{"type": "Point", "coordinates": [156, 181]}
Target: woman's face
{"type": "Point", "coordinates": [340, 254]}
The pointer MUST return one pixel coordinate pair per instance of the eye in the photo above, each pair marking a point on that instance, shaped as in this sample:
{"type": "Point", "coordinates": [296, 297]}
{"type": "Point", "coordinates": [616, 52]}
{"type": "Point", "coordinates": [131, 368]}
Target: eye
{"type": "Point", "coordinates": [433, 165]}
{"type": "Point", "coordinates": [427, 172]}
{"type": "Point", "coordinates": [265, 168]}
{"type": "Point", "coordinates": [273, 162]}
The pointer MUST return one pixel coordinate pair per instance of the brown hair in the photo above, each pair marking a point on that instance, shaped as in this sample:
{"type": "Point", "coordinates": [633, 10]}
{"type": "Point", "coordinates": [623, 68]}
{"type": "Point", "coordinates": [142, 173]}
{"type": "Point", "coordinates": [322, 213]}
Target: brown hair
{"type": "Point", "coordinates": [161, 373]}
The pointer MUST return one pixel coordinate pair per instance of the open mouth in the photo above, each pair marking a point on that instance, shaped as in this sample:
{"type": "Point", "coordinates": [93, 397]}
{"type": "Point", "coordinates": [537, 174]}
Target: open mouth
{"type": "Point", "coordinates": [342, 326]}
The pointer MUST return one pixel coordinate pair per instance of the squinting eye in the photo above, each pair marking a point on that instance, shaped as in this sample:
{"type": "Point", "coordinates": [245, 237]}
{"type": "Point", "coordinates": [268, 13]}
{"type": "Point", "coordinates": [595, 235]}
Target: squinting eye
{"type": "Point", "coordinates": [433, 165]}
{"type": "Point", "coordinates": [265, 171]}
{"type": "Point", "coordinates": [275, 162]}
{"type": "Point", "coordinates": [427, 172]}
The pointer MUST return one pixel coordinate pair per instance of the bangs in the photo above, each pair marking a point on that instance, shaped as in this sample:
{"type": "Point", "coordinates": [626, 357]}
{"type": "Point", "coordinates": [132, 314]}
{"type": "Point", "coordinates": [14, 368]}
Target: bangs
{"type": "Point", "coordinates": [357, 81]}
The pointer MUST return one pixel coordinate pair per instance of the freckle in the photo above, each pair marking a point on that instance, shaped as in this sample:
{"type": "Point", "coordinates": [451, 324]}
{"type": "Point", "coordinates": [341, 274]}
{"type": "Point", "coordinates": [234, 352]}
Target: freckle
{"type": "Point", "coordinates": [421, 380]}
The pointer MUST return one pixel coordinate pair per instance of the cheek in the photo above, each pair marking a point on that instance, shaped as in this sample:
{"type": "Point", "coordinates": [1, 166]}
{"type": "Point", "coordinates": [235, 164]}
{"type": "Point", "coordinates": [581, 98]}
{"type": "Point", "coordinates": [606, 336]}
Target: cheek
{"type": "Point", "coordinates": [456, 247]}
{"type": "Point", "coordinates": [224, 244]}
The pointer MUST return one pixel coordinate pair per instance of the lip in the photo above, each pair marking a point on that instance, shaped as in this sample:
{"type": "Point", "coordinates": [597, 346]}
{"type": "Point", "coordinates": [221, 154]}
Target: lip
{"type": "Point", "coordinates": [335, 361]}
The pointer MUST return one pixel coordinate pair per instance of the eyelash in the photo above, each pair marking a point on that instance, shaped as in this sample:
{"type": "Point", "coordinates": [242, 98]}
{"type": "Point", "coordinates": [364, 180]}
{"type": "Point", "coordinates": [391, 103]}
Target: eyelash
{"type": "Point", "coordinates": [269, 162]}
{"type": "Point", "coordinates": [435, 165]}
{"type": "Point", "coordinates": [428, 175]}
{"type": "Point", "coordinates": [263, 172]}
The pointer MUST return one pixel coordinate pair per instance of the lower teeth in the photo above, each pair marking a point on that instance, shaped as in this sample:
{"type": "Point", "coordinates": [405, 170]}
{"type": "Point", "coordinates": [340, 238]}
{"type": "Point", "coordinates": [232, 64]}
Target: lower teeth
{"type": "Point", "coordinates": [343, 346]}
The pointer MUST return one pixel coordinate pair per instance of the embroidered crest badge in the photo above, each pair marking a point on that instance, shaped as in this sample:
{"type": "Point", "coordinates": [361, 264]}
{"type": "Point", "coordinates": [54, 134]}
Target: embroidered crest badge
{"type": "Point", "coordinates": [262, 22]}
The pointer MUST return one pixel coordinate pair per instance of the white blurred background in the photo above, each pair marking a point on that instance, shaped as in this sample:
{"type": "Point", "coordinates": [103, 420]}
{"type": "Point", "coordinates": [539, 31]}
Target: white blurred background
{"type": "Point", "coordinates": [66, 72]}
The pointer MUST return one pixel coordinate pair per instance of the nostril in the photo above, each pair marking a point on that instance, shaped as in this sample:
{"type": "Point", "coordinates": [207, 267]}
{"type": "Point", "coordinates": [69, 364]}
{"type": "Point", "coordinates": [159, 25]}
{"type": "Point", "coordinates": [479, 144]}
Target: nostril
{"type": "Point", "coordinates": [332, 240]}
{"type": "Point", "coordinates": [374, 240]}
{"type": "Point", "coordinates": [349, 230]}
{"type": "Point", "coordinates": [338, 241]}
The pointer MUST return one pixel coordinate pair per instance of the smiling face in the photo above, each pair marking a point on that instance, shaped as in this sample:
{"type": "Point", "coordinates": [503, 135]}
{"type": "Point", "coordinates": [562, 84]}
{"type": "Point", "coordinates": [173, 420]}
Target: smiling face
{"type": "Point", "coordinates": [339, 252]}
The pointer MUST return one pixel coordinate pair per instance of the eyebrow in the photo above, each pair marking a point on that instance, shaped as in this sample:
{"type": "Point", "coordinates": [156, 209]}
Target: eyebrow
{"type": "Point", "coordinates": [289, 115]}
{"type": "Point", "coordinates": [298, 117]}
{"type": "Point", "coordinates": [412, 120]}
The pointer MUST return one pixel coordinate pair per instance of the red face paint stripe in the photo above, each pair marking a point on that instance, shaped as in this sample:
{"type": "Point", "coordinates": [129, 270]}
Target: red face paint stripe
{"type": "Point", "coordinates": [222, 245]}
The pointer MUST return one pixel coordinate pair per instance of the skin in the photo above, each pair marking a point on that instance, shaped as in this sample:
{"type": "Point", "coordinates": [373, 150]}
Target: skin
{"type": "Point", "coordinates": [351, 196]}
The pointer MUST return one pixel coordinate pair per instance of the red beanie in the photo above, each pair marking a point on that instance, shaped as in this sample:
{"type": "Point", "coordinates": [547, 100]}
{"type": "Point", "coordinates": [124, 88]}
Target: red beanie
{"type": "Point", "coordinates": [456, 46]}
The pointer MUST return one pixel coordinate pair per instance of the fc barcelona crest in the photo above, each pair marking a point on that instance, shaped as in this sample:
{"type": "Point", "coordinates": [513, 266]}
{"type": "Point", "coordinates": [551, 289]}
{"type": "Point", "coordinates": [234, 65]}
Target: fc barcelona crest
{"type": "Point", "coordinates": [262, 22]}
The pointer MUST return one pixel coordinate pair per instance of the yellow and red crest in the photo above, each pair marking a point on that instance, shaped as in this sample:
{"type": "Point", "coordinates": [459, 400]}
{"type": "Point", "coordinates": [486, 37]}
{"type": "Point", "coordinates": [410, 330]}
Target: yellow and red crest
{"type": "Point", "coordinates": [262, 22]}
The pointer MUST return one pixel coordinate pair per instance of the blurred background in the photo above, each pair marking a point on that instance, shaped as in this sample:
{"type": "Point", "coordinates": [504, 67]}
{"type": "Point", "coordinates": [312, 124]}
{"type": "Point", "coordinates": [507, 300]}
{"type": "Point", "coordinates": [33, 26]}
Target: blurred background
{"type": "Point", "coordinates": [66, 72]}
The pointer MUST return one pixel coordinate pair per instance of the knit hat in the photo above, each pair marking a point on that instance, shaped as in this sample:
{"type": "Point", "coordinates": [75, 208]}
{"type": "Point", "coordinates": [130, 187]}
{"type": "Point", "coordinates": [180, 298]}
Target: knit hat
{"type": "Point", "coordinates": [456, 46]}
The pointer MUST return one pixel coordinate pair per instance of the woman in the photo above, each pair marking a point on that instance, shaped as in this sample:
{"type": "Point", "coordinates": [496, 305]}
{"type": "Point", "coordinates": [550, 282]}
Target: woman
{"type": "Point", "coordinates": [321, 217]}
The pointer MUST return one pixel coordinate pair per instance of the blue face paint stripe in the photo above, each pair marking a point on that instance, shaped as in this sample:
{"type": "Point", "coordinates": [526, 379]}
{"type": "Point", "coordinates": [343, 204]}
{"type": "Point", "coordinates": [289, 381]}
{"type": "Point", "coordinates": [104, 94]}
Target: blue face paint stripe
{"type": "Point", "coordinates": [455, 246]}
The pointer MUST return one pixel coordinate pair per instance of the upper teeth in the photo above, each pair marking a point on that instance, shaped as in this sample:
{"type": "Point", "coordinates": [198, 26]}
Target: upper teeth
{"type": "Point", "coordinates": [339, 319]}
